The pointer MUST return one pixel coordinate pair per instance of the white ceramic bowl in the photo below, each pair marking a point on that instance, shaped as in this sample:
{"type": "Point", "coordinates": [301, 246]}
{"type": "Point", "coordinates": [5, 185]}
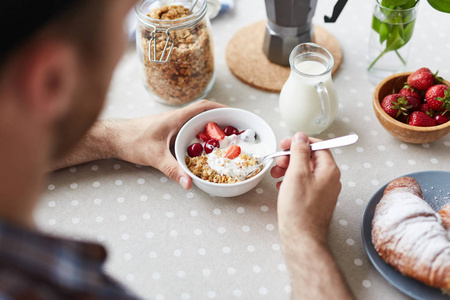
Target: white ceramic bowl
{"type": "Point", "coordinates": [238, 118]}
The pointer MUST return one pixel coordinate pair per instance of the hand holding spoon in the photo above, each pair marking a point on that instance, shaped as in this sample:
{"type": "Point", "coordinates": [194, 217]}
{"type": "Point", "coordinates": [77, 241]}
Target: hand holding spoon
{"type": "Point", "coordinates": [331, 143]}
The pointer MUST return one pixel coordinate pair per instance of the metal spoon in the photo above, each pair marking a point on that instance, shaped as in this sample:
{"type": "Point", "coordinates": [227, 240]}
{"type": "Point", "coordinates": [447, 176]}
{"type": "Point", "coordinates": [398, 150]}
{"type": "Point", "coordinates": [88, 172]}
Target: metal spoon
{"type": "Point", "coordinates": [331, 143]}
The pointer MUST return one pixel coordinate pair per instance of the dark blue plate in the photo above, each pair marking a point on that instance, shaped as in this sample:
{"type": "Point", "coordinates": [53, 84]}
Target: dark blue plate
{"type": "Point", "coordinates": [435, 187]}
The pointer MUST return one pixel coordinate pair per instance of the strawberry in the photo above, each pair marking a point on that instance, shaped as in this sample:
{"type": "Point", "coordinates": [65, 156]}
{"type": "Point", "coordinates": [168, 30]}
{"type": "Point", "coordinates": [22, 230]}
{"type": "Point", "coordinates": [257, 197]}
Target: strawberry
{"type": "Point", "coordinates": [421, 79]}
{"type": "Point", "coordinates": [409, 91]}
{"type": "Point", "coordinates": [214, 131]}
{"type": "Point", "coordinates": [425, 107]}
{"type": "Point", "coordinates": [403, 118]}
{"type": "Point", "coordinates": [441, 119]}
{"type": "Point", "coordinates": [202, 137]}
{"type": "Point", "coordinates": [233, 152]}
{"type": "Point", "coordinates": [413, 103]}
{"type": "Point", "coordinates": [394, 105]}
{"type": "Point", "coordinates": [438, 97]}
{"type": "Point", "coordinates": [418, 118]}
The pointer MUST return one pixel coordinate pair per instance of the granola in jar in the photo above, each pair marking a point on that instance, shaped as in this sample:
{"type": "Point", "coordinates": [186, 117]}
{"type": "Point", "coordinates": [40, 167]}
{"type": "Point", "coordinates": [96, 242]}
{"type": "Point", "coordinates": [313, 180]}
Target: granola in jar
{"type": "Point", "coordinates": [176, 50]}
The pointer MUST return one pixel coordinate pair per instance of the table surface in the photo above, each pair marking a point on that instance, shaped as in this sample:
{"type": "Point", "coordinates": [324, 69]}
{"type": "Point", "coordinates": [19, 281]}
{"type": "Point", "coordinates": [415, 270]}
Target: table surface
{"type": "Point", "coordinates": [167, 243]}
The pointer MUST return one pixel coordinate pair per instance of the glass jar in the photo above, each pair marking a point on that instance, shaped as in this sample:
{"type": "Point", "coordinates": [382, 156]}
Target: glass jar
{"type": "Point", "coordinates": [176, 50]}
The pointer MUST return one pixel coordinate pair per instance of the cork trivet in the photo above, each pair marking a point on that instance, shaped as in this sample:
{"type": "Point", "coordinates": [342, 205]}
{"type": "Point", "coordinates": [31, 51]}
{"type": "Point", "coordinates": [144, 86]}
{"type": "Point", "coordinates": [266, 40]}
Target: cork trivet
{"type": "Point", "coordinates": [247, 61]}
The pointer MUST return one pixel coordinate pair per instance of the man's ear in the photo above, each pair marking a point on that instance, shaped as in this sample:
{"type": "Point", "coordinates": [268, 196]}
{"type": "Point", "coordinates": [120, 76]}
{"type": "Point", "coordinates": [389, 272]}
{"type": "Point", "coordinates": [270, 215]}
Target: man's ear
{"type": "Point", "coordinates": [46, 78]}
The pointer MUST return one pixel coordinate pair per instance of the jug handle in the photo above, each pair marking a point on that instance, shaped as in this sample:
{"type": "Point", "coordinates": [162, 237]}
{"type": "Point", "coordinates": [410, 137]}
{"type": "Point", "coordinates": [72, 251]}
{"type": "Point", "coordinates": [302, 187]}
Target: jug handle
{"type": "Point", "coordinates": [336, 11]}
{"type": "Point", "coordinates": [325, 104]}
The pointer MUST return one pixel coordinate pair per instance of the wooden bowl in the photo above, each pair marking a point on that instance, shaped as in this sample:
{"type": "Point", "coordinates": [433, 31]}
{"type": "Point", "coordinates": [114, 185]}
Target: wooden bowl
{"type": "Point", "coordinates": [402, 131]}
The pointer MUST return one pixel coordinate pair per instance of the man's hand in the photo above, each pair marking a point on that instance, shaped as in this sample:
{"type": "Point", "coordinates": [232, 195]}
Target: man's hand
{"type": "Point", "coordinates": [308, 195]}
{"type": "Point", "coordinates": [145, 141]}
{"type": "Point", "coordinates": [309, 190]}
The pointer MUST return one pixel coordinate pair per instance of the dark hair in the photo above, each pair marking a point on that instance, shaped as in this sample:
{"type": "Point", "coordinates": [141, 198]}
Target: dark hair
{"type": "Point", "coordinates": [20, 20]}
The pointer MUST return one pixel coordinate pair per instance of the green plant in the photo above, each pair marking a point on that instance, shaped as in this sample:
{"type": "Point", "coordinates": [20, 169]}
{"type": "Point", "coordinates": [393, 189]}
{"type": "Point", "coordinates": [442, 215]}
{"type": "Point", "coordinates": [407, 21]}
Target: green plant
{"type": "Point", "coordinates": [394, 23]}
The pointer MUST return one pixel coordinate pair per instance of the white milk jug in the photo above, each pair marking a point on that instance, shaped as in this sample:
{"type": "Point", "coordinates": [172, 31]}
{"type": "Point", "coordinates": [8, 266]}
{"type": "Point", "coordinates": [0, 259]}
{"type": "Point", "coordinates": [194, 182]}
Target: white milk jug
{"type": "Point", "coordinates": [308, 99]}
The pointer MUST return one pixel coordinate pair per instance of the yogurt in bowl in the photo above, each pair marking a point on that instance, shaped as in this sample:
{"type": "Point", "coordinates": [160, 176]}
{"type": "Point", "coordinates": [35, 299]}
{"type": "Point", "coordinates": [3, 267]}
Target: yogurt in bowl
{"type": "Point", "coordinates": [264, 143]}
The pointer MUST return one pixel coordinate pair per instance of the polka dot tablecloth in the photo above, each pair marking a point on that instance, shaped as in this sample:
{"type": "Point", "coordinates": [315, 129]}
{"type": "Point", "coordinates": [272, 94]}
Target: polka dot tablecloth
{"type": "Point", "coordinates": [167, 243]}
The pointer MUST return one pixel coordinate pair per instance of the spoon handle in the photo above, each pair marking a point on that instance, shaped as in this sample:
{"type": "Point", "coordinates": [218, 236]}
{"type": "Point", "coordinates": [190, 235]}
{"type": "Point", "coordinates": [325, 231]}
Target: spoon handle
{"type": "Point", "coordinates": [331, 143]}
{"type": "Point", "coordinates": [336, 142]}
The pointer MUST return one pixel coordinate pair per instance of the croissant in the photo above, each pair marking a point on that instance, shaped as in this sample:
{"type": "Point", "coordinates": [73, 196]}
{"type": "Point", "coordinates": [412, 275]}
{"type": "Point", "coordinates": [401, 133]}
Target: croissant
{"type": "Point", "coordinates": [445, 215]}
{"type": "Point", "coordinates": [409, 235]}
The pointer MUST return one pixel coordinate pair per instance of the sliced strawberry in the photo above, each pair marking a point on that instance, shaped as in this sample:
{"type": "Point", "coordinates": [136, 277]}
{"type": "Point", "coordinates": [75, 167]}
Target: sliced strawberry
{"type": "Point", "coordinates": [233, 152]}
{"type": "Point", "coordinates": [214, 131]}
{"type": "Point", "coordinates": [203, 137]}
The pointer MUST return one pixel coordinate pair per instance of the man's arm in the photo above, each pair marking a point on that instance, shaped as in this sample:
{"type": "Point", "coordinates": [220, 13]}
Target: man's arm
{"type": "Point", "coordinates": [308, 195]}
{"type": "Point", "coordinates": [145, 141]}
{"type": "Point", "coordinates": [100, 142]}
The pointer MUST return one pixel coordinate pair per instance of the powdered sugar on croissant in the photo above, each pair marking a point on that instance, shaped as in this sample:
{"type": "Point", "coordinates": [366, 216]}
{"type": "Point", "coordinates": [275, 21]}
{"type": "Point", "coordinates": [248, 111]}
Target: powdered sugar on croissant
{"type": "Point", "coordinates": [409, 235]}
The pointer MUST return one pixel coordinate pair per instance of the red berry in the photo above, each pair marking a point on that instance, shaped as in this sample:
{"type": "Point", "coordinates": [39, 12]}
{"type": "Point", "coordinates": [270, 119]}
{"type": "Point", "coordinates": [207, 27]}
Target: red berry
{"type": "Point", "coordinates": [441, 119]}
{"type": "Point", "coordinates": [409, 91]}
{"type": "Point", "coordinates": [418, 118]}
{"type": "Point", "coordinates": [202, 137]}
{"type": "Point", "coordinates": [211, 145]}
{"type": "Point", "coordinates": [425, 107]}
{"type": "Point", "coordinates": [413, 103]}
{"type": "Point", "coordinates": [391, 105]}
{"type": "Point", "coordinates": [403, 118]}
{"type": "Point", "coordinates": [214, 131]}
{"type": "Point", "coordinates": [421, 79]}
{"type": "Point", "coordinates": [438, 97]}
{"type": "Point", "coordinates": [195, 149]}
{"type": "Point", "coordinates": [229, 130]}
{"type": "Point", "coordinates": [233, 152]}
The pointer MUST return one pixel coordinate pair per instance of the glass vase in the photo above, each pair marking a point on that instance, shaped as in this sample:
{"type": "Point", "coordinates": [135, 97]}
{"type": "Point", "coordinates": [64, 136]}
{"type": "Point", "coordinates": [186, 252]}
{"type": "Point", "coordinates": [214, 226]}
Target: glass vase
{"type": "Point", "coordinates": [389, 41]}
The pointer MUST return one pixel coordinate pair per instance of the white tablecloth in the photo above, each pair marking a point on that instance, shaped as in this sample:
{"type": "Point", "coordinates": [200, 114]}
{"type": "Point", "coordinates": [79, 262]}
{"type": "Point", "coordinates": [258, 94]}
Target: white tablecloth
{"type": "Point", "coordinates": [167, 243]}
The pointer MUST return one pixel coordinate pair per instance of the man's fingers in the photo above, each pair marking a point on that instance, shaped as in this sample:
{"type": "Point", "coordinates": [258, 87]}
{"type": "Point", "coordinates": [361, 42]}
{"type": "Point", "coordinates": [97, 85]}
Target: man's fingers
{"type": "Point", "coordinates": [283, 161]}
{"type": "Point", "coordinates": [285, 143]}
{"type": "Point", "coordinates": [277, 172]}
{"type": "Point", "coordinates": [170, 166]}
{"type": "Point", "coordinates": [325, 165]}
{"type": "Point", "coordinates": [300, 154]}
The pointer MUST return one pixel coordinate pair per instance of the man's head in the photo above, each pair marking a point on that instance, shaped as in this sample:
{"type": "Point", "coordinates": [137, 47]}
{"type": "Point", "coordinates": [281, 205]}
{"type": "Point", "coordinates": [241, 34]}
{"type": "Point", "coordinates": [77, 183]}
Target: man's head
{"type": "Point", "coordinates": [56, 62]}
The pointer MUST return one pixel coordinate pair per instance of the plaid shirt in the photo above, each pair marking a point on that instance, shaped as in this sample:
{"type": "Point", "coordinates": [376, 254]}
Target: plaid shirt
{"type": "Point", "coordinates": [36, 266]}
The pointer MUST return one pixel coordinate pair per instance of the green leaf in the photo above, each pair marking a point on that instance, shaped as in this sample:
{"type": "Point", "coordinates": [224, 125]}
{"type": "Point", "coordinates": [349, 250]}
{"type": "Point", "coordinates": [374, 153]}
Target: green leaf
{"type": "Point", "coordinates": [384, 31]}
{"type": "Point", "coordinates": [394, 2]}
{"type": "Point", "coordinates": [376, 24]}
{"type": "Point", "coordinates": [408, 31]}
{"type": "Point", "coordinates": [395, 39]}
{"type": "Point", "coordinates": [440, 5]}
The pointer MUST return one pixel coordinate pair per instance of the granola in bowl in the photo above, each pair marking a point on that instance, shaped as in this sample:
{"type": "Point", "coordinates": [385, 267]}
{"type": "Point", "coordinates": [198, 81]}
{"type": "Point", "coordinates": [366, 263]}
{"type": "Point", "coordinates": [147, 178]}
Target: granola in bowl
{"type": "Point", "coordinates": [228, 171]}
{"type": "Point", "coordinates": [177, 57]}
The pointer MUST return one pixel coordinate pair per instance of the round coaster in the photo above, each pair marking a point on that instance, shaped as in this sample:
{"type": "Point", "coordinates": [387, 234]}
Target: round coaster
{"type": "Point", "coordinates": [247, 61]}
